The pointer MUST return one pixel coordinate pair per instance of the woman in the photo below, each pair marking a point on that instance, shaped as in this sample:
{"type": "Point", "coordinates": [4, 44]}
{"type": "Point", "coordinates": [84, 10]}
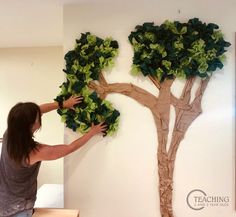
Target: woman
{"type": "Point", "coordinates": [21, 155]}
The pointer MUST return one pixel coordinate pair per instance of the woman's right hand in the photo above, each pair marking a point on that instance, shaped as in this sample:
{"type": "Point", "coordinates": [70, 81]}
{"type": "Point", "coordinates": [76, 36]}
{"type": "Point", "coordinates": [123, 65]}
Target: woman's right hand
{"type": "Point", "coordinates": [99, 128]}
{"type": "Point", "coordinates": [73, 100]}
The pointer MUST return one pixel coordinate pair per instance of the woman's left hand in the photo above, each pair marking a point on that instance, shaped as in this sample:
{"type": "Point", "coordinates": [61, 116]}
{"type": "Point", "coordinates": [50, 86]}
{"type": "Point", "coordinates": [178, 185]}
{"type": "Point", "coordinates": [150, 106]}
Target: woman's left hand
{"type": "Point", "coordinates": [73, 100]}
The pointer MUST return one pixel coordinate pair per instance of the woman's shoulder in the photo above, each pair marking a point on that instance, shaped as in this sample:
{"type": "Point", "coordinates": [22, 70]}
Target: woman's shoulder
{"type": "Point", "coordinates": [38, 153]}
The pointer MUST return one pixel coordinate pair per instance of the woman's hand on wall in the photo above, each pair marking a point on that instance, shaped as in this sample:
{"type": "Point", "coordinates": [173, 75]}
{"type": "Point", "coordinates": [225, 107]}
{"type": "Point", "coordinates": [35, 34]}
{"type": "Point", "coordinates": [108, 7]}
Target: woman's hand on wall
{"type": "Point", "coordinates": [73, 100]}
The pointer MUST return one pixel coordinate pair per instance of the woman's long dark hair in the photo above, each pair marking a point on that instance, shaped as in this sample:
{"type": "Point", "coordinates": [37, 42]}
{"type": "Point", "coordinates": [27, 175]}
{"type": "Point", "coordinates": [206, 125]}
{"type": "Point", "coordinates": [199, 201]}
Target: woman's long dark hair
{"type": "Point", "coordinates": [20, 140]}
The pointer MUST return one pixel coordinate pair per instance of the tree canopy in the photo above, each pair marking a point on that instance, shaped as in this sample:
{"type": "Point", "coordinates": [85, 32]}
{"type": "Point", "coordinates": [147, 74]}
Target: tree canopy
{"type": "Point", "coordinates": [175, 49]}
{"type": "Point", "coordinates": [84, 63]}
{"type": "Point", "coordinates": [167, 51]}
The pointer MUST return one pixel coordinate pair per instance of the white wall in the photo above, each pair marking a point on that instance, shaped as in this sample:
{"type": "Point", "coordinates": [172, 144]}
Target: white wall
{"type": "Point", "coordinates": [117, 176]}
{"type": "Point", "coordinates": [34, 74]}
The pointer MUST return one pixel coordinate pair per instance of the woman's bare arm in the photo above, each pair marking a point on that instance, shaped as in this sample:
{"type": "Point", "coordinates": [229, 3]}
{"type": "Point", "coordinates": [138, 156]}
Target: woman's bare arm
{"type": "Point", "coordinates": [47, 152]}
{"type": "Point", "coordinates": [69, 103]}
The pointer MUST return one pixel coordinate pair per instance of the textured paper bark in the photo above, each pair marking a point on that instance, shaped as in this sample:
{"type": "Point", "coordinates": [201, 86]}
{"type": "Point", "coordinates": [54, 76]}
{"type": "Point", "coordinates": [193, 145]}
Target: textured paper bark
{"type": "Point", "coordinates": [186, 113]}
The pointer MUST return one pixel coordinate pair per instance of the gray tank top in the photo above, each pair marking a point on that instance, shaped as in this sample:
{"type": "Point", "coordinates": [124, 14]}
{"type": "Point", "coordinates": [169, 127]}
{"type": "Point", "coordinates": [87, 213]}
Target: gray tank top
{"type": "Point", "coordinates": [18, 184]}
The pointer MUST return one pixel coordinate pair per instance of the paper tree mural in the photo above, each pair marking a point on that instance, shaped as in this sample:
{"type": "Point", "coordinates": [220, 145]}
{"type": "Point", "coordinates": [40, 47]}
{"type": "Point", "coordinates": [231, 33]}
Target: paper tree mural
{"type": "Point", "coordinates": [163, 53]}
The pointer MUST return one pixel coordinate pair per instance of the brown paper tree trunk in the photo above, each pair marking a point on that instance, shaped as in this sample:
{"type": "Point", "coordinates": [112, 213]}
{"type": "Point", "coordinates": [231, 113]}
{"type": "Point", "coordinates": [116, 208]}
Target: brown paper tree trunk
{"type": "Point", "coordinates": [185, 114]}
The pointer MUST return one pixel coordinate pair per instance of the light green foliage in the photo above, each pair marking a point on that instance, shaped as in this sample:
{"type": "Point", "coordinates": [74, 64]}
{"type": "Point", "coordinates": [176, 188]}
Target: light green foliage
{"type": "Point", "coordinates": [176, 49]}
{"type": "Point", "coordinates": [84, 64]}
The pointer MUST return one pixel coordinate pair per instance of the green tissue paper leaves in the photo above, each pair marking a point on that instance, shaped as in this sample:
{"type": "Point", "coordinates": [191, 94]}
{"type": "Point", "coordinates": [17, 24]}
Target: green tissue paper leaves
{"type": "Point", "coordinates": [167, 51]}
{"type": "Point", "coordinates": [84, 63]}
{"type": "Point", "coordinates": [175, 49]}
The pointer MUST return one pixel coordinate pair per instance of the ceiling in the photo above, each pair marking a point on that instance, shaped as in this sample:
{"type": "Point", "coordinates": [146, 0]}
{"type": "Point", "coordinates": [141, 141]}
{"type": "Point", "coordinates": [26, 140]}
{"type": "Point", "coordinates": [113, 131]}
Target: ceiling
{"type": "Point", "coordinates": [30, 23]}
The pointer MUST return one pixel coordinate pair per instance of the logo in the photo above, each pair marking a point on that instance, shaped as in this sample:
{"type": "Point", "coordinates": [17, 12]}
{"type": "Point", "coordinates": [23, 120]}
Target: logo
{"type": "Point", "coordinates": [197, 200]}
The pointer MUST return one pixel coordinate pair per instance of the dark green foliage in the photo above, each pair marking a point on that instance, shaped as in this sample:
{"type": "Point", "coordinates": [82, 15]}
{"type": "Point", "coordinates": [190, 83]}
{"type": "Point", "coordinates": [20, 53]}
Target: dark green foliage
{"type": "Point", "coordinates": [175, 49]}
{"type": "Point", "coordinates": [90, 56]}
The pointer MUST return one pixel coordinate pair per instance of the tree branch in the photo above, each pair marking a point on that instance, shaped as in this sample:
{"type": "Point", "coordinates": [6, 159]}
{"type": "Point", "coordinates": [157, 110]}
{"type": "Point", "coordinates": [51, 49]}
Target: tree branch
{"type": "Point", "coordinates": [184, 118]}
{"type": "Point", "coordinates": [155, 81]}
{"type": "Point", "coordinates": [199, 93]}
{"type": "Point", "coordinates": [183, 101]}
{"type": "Point", "coordinates": [186, 93]}
{"type": "Point", "coordinates": [103, 81]}
{"type": "Point", "coordinates": [142, 96]}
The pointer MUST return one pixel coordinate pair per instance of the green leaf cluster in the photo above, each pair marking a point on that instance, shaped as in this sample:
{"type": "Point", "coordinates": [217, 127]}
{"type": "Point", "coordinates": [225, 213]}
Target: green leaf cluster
{"type": "Point", "coordinates": [84, 63]}
{"type": "Point", "coordinates": [175, 49]}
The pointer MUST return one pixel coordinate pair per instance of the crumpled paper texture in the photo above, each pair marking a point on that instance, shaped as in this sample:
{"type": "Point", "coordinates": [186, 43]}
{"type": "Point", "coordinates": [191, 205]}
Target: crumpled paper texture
{"type": "Point", "coordinates": [185, 114]}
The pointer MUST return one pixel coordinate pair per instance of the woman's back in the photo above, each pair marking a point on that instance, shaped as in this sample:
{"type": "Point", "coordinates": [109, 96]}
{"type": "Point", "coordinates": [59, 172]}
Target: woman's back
{"type": "Point", "coordinates": [18, 184]}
